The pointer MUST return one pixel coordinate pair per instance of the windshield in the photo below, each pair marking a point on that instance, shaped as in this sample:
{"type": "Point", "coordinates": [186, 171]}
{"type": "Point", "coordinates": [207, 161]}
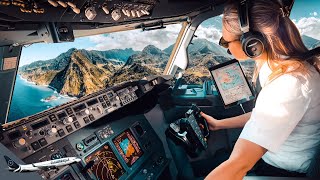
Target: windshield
{"type": "Point", "coordinates": [53, 74]}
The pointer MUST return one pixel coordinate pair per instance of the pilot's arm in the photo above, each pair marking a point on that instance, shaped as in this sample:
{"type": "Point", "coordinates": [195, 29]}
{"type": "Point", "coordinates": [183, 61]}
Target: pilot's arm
{"type": "Point", "coordinates": [279, 108]}
{"type": "Point", "coordinates": [244, 156]}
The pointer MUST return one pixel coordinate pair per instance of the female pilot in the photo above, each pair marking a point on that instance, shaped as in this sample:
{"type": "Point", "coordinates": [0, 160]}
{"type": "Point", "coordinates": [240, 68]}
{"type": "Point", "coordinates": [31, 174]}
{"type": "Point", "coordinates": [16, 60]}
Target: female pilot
{"type": "Point", "coordinates": [284, 127]}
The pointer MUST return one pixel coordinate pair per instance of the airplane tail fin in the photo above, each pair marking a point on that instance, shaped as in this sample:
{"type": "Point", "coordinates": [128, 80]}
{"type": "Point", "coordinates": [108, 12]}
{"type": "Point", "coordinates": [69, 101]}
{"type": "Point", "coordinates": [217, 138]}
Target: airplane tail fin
{"type": "Point", "coordinates": [11, 164]}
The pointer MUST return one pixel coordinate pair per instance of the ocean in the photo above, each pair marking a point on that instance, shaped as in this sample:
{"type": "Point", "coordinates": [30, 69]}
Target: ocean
{"type": "Point", "coordinates": [29, 99]}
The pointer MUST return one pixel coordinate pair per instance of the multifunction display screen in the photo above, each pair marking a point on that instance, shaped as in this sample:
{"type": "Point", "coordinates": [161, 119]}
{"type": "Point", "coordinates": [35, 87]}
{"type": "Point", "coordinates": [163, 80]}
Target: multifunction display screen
{"type": "Point", "coordinates": [106, 166]}
{"type": "Point", "coordinates": [128, 147]}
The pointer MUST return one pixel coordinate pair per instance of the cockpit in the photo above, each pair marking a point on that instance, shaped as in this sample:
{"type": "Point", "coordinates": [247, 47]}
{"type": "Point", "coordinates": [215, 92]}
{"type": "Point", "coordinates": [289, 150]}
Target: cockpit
{"type": "Point", "coordinates": [119, 86]}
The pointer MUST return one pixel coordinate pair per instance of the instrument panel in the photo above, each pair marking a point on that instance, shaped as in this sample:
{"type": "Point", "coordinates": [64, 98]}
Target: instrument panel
{"type": "Point", "coordinates": [29, 135]}
{"type": "Point", "coordinates": [120, 148]}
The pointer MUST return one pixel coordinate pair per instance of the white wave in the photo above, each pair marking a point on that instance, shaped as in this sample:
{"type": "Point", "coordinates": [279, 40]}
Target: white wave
{"type": "Point", "coordinates": [26, 80]}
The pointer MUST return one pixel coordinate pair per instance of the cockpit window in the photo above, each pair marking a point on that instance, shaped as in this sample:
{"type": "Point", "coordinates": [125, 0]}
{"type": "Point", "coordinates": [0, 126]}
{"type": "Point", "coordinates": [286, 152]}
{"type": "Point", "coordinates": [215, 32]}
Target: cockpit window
{"type": "Point", "coordinates": [53, 74]}
{"type": "Point", "coordinates": [204, 51]}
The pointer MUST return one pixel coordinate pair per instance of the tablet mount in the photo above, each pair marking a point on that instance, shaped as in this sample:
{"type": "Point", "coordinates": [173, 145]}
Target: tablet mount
{"type": "Point", "coordinates": [190, 132]}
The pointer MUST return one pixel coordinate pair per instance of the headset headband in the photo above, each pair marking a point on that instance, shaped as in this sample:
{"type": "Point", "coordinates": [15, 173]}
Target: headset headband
{"type": "Point", "coordinates": [244, 16]}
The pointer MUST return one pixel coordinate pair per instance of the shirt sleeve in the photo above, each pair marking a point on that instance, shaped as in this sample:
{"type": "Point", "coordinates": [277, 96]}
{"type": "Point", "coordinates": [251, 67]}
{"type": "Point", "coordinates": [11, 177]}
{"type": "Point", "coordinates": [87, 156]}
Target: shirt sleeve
{"type": "Point", "coordinates": [279, 108]}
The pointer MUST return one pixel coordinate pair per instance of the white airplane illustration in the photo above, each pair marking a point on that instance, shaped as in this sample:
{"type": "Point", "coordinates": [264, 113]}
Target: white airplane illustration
{"type": "Point", "coordinates": [46, 165]}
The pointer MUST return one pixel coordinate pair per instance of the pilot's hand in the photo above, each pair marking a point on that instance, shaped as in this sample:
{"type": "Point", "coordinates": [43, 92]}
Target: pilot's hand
{"type": "Point", "coordinates": [212, 122]}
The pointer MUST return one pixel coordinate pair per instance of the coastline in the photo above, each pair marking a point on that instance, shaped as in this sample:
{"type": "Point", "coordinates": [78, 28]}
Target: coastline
{"type": "Point", "coordinates": [50, 87]}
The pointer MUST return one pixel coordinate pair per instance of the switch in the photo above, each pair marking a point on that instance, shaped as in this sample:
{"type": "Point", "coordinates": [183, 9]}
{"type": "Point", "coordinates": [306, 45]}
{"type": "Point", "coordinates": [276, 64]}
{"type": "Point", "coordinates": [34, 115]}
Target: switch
{"type": "Point", "coordinates": [43, 142]}
{"type": "Point", "coordinates": [35, 145]}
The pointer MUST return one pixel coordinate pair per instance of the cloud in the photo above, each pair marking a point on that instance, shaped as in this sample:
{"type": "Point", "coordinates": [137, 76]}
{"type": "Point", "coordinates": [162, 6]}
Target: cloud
{"type": "Point", "coordinates": [314, 14]}
{"type": "Point", "coordinates": [210, 33]}
{"type": "Point", "coordinates": [309, 26]}
{"type": "Point", "coordinates": [136, 39]}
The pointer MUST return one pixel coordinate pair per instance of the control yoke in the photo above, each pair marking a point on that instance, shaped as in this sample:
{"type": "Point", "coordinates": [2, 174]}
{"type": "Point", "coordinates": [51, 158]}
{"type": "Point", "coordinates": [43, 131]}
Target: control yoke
{"type": "Point", "coordinates": [190, 132]}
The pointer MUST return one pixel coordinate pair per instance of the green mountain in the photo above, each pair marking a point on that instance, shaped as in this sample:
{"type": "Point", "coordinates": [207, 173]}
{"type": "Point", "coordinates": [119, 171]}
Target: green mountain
{"type": "Point", "coordinates": [310, 42]}
{"type": "Point", "coordinates": [116, 56]}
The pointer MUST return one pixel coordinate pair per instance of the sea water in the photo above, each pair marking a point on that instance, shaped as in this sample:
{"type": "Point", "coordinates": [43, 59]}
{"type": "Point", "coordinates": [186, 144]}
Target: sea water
{"type": "Point", "coordinates": [29, 99]}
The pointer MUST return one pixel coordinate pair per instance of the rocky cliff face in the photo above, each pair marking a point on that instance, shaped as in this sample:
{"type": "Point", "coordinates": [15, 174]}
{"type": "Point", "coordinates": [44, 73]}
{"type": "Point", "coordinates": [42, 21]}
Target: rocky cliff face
{"type": "Point", "coordinates": [151, 61]}
{"type": "Point", "coordinates": [80, 77]}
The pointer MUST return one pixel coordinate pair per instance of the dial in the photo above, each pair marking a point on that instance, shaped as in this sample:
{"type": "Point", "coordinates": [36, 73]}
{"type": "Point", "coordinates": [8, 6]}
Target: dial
{"type": "Point", "coordinates": [67, 120]}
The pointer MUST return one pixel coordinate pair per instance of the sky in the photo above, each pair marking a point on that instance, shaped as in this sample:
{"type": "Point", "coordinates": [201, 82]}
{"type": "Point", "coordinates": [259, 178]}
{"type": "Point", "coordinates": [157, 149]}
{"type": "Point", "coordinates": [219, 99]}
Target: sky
{"type": "Point", "coordinates": [305, 14]}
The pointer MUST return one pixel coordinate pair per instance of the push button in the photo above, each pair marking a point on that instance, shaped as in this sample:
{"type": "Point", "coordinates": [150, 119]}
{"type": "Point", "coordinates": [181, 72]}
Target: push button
{"type": "Point", "coordinates": [69, 111]}
{"type": "Point", "coordinates": [69, 128]}
{"type": "Point", "coordinates": [104, 105]}
{"type": "Point", "coordinates": [86, 120]}
{"type": "Point", "coordinates": [52, 118]}
{"type": "Point", "coordinates": [61, 132]}
{"type": "Point", "coordinates": [76, 124]}
{"type": "Point", "coordinates": [35, 145]}
{"type": "Point", "coordinates": [43, 142]}
{"type": "Point", "coordinates": [91, 117]}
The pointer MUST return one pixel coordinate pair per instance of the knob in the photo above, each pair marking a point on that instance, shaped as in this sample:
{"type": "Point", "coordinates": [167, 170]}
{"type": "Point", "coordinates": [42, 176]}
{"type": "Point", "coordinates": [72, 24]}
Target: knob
{"type": "Point", "coordinates": [144, 171]}
{"type": "Point", "coordinates": [56, 156]}
{"type": "Point", "coordinates": [20, 142]}
{"type": "Point", "coordinates": [104, 135]}
{"type": "Point", "coordinates": [67, 120]}
{"type": "Point", "coordinates": [29, 133]}
{"type": "Point", "coordinates": [87, 111]}
{"type": "Point", "coordinates": [79, 146]}
{"type": "Point", "coordinates": [52, 131]}
{"type": "Point", "coordinates": [100, 110]}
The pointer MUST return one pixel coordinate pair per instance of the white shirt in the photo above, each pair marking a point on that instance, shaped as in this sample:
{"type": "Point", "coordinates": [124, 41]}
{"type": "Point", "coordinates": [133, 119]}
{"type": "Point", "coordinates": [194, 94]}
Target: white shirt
{"type": "Point", "coordinates": [286, 120]}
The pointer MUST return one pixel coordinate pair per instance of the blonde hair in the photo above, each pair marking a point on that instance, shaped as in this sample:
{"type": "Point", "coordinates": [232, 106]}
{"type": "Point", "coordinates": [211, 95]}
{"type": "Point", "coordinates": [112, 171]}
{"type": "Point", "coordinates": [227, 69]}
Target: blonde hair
{"type": "Point", "coordinates": [284, 44]}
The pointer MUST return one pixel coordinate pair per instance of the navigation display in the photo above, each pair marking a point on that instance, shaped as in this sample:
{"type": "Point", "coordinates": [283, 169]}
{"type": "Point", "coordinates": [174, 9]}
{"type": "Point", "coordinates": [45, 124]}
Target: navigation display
{"type": "Point", "coordinates": [128, 147]}
{"type": "Point", "coordinates": [106, 165]}
{"type": "Point", "coordinates": [231, 83]}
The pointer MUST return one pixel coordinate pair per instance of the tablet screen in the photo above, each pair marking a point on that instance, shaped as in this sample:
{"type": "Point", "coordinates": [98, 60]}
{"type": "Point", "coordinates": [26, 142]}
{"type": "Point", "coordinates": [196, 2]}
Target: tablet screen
{"type": "Point", "coordinates": [231, 83]}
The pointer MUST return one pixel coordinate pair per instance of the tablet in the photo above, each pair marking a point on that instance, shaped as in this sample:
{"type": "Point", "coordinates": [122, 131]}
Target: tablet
{"type": "Point", "coordinates": [231, 83]}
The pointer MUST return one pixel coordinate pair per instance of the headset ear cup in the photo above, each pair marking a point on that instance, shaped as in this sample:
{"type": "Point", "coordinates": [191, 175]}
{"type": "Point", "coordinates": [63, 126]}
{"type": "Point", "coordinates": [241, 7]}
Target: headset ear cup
{"type": "Point", "coordinates": [253, 44]}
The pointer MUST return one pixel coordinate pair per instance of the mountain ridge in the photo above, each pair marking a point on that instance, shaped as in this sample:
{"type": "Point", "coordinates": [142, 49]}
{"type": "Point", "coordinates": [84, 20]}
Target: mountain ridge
{"type": "Point", "coordinates": [78, 72]}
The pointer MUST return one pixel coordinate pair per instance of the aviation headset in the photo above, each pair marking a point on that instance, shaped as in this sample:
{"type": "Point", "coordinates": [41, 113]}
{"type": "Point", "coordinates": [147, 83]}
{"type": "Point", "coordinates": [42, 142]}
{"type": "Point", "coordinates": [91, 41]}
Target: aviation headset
{"type": "Point", "coordinates": [253, 42]}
